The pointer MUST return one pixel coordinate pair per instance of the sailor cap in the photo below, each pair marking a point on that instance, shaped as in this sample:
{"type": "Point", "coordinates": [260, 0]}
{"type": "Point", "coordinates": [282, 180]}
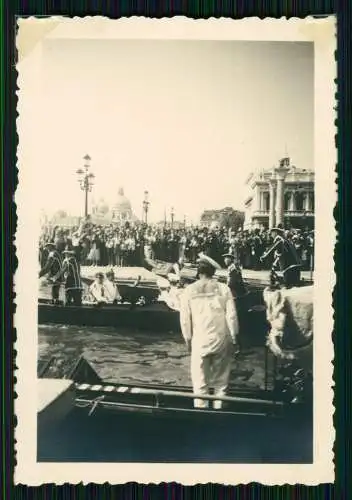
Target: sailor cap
{"type": "Point", "coordinates": [228, 255]}
{"type": "Point", "coordinates": [202, 258]}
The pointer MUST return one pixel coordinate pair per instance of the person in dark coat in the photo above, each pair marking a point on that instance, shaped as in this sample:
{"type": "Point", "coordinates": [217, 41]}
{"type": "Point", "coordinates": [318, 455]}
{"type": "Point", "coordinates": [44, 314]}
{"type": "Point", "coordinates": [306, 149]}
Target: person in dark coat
{"type": "Point", "coordinates": [52, 269]}
{"type": "Point", "coordinates": [286, 259]}
{"type": "Point", "coordinates": [72, 279]}
{"type": "Point", "coordinates": [234, 276]}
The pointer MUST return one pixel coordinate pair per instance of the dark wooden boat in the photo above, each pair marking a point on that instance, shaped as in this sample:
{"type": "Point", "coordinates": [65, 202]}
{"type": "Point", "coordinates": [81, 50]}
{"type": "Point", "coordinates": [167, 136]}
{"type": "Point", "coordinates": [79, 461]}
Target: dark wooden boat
{"type": "Point", "coordinates": [158, 316]}
{"type": "Point", "coordinates": [189, 275]}
{"type": "Point", "coordinates": [188, 272]}
{"type": "Point", "coordinates": [136, 423]}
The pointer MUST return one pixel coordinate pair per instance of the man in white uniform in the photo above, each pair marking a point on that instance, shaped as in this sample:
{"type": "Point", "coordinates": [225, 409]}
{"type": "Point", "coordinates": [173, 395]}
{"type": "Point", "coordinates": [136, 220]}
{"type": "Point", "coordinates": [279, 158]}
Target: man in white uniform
{"type": "Point", "coordinates": [209, 326]}
{"type": "Point", "coordinates": [113, 293]}
{"type": "Point", "coordinates": [98, 290]}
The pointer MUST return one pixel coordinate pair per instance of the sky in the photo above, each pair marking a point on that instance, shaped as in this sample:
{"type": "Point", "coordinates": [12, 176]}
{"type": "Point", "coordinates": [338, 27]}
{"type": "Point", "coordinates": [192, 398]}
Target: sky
{"type": "Point", "coordinates": [186, 120]}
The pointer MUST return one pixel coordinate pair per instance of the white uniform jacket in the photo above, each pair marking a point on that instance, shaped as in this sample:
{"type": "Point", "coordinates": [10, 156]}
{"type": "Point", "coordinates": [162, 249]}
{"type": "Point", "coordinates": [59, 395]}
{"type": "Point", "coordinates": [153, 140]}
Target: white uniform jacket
{"type": "Point", "coordinates": [99, 292]}
{"type": "Point", "coordinates": [112, 291]}
{"type": "Point", "coordinates": [208, 316]}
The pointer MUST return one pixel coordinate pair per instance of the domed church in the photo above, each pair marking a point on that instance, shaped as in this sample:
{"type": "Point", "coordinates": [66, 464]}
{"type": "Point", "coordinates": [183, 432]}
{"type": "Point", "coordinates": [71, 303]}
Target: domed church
{"type": "Point", "coordinates": [122, 210]}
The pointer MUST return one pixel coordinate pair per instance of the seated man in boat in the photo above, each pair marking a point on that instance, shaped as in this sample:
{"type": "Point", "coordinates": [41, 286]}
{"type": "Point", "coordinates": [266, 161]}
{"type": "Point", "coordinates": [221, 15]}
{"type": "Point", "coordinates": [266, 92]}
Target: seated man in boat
{"type": "Point", "coordinates": [98, 290]}
{"type": "Point", "coordinates": [209, 325]}
{"type": "Point", "coordinates": [234, 276]}
{"type": "Point", "coordinates": [72, 279]}
{"type": "Point", "coordinates": [112, 291]}
{"type": "Point", "coordinates": [52, 269]}
{"type": "Point", "coordinates": [286, 259]}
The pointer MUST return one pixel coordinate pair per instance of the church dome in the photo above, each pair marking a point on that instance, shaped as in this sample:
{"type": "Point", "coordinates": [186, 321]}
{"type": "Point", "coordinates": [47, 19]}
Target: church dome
{"type": "Point", "coordinates": [122, 202]}
{"type": "Point", "coordinates": [122, 207]}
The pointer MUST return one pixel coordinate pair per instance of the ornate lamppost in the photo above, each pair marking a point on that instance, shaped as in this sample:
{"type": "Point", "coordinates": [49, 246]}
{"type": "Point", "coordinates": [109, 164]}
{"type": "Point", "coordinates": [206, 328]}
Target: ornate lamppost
{"type": "Point", "coordinates": [146, 204]}
{"type": "Point", "coordinates": [86, 181]}
{"type": "Point", "coordinates": [172, 215]}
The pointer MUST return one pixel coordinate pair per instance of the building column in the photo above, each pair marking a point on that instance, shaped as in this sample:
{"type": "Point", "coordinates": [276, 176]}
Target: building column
{"type": "Point", "coordinates": [306, 201]}
{"type": "Point", "coordinates": [280, 175]}
{"type": "Point", "coordinates": [272, 184]}
{"type": "Point", "coordinates": [257, 199]}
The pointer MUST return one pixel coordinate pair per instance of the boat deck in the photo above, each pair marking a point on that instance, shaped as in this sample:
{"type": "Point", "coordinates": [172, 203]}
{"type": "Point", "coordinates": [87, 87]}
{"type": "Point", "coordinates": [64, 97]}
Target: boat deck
{"type": "Point", "coordinates": [98, 431]}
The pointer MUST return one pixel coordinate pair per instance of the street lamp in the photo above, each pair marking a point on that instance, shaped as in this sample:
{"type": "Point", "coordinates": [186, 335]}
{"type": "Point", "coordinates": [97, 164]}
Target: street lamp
{"type": "Point", "coordinates": [86, 181]}
{"type": "Point", "coordinates": [172, 214]}
{"type": "Point", "coordinates": [146, 204]}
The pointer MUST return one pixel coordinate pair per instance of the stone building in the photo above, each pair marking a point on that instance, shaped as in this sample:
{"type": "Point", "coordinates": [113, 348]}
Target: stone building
{"type": "Point", "coordinates": [280, 195]}
{"type": "Point", "coordinates": [224, 217]}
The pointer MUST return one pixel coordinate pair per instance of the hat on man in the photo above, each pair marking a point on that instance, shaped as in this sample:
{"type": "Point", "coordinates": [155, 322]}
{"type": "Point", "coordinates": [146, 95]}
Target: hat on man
{"type": "Point", "coordinates": [50, 244]}
{"type": "Point", "coordinates": [278, 229]}
{"type": "Point", "coordinates": [99, 275]}
{"type": "Point", "coordinates": [205, 259]}
{"type": "Point", "coordinates": [110, 273]}
{"type": "Point", "coordinates": [230, 255]}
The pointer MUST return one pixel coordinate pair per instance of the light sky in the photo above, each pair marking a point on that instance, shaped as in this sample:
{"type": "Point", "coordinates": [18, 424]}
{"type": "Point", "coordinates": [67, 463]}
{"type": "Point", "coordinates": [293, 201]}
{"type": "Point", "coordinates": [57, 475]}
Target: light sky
{"type": "Point", "coordinates": [186, 120]}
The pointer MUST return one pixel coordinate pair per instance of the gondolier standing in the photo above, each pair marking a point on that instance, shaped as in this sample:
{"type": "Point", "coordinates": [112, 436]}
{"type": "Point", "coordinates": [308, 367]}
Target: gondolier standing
{"type": "Point", "coordinates": [209, 325]}
{"type": "Point", "coordinates": [72, 279]}
{"type": "Point", "coordinates": [52, 269]}
{"type": "Point", "coordinates": [286, 259]}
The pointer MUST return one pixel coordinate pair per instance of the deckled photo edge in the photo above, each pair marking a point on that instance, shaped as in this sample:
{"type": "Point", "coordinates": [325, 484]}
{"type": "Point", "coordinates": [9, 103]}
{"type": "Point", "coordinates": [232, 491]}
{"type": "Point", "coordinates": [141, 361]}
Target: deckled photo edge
{"type": "Point", "coordinates": [31, 473]}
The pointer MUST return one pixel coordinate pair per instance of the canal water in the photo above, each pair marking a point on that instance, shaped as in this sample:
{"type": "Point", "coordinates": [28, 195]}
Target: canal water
{"type": "Point", "coordinates": [139, 357]}
{"type": "Point", "coordinates": [127, 356]}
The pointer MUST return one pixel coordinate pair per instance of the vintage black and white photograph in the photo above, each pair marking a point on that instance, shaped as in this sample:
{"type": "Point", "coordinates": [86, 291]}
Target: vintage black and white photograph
{"type": "Point", "coordinates": [173, 232]}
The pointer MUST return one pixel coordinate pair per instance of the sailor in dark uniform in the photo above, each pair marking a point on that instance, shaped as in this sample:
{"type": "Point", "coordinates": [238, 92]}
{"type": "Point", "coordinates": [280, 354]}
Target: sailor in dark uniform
{"type": "Point", "coordinates": [234, 276]}
{"type": "Point", "coordinates": [72, 279]}
{"type": "Point", "coordinates": [286, 259]}
{"type": "Point", "coordinates": [52, 268]}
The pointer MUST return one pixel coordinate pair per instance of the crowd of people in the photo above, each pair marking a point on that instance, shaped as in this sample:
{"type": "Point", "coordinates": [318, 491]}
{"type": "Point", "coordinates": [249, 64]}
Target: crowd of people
{"type": "Point", "coordinates": [129, 244]}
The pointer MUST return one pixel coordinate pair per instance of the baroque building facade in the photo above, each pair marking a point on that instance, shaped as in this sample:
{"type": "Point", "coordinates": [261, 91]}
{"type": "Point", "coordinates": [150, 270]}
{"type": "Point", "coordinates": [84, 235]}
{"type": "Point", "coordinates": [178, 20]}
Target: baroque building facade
{"type": "Point", "coordinates": [280, 195]}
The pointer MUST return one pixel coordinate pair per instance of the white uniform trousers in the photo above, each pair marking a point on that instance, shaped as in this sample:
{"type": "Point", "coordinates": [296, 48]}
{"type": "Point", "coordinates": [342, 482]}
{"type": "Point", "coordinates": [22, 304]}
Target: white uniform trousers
{"type": "Point", "coordinates": [211, 371]}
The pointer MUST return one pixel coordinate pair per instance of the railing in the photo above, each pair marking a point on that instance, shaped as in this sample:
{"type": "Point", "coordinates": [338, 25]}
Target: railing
{"type": "Point", "coordinates": [287, 213]}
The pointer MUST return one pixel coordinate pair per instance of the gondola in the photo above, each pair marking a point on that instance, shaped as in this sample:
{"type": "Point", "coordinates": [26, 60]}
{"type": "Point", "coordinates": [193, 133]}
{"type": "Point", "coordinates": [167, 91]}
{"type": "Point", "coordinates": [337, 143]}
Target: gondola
{"type": "Point", "coordinates": [189, 274]}
{"type": "Point", "coordinates": [157, 317]}
{"type": "Point", "coordinates": [140, 317]}
{"type": "Point", "coordinates": [155, 422]}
